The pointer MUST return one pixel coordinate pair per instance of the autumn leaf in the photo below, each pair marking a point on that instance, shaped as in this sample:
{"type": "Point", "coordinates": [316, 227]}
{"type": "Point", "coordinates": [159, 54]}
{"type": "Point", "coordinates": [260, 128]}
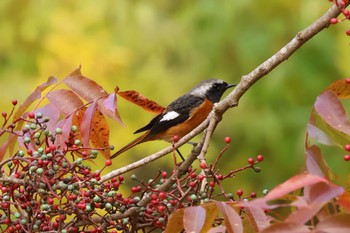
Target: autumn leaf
{"type": "Point", "coordinates": [341, 88]}
{"type": "Point", "coordinates": [99, 134]}
{"type": "Point", "coordinates": [65, 100]}
{"type": "Point", "coordinates": [141, 101]}
{"type": "Point", "coordinates": [83, 86]}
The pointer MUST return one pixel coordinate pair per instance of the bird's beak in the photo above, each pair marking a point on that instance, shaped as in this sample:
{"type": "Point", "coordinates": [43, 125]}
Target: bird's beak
{"type": "Point", "coordinates": [230, 85]}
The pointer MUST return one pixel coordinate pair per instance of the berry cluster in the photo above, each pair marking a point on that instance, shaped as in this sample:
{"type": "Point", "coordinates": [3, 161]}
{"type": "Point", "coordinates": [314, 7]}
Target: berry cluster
{"type": "Point", "coordinates": [342, 4]}
{"type": "Point", "coordinates": [48, 186]}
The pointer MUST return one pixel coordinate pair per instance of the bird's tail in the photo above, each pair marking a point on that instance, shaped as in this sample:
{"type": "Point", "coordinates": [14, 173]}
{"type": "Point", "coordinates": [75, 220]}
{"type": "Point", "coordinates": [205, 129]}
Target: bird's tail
{"type": "Point", "coordinates": [133, 143]}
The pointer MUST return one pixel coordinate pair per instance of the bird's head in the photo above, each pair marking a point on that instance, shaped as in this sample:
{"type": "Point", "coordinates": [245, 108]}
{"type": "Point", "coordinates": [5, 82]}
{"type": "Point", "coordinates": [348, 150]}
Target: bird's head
{"type": "Point", "coordinates": [212, 89]}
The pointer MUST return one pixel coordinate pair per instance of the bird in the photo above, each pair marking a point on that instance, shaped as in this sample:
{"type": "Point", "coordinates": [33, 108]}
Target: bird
{"type": "Point", "coordinates": [182, 115]}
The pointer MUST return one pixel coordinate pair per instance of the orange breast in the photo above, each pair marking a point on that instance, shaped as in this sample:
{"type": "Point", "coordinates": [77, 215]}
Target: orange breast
{"type": "Point", "coordinates": [197, 116]}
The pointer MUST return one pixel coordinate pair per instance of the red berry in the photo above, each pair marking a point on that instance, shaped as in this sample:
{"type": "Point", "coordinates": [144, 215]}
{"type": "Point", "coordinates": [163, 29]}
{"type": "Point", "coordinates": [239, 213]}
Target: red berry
{"type": "Point", "coordinates": [200, 177]}
{"type": "Point", "coordinates": [161, 209]}
{"type": "Point", "coordinates": [227, 140]}
{"type": "Point", "coordinates": [203, 165]}
{"type": "Point", "coordinates": [253, 194]}
{"type": "Point", "coordinates": [108, 162]}
{"type": "Point", "coordinates": [333, 21]}
{"type": "Point", "coordinates": [154, 196]}
{"type": "Point", "coordinates": [251, 161]}
{"type": "Point", "coordinates": [120, 178]}
{"type": "Point", "coordinates": [49, 201]}
{"type": "Point", "coordinates": [347, 32]}
{"type": "Point", "coordinates": [31, 115]}
{"type": "Point", "coordinates": [164, 175]}
{"type": "Point", "coordinates": [162, 195]}
{"type": "Point", "coordinates": [347, 157]}
{"type": "Point", "coordinates": [14, 102]}
{"type": "Point", "coordinates": [134, 190]}
{"type": "Point", "coordinates": [220, 177]}
{"type": "Point", "coordinates": [211, 184]}
{"type": "Point", "coordinates": [239, 192]}
{"type": "Point", "coordinates": [347, 147]}
{"type": "Point", "coordinates": [4, 114]}
{"type": "Point", "coordinates": [192, 184]}
{"type": "Point", "coordinates": [176, 138]}
{"type": "Point", "coordinates": [346, 13]}
{"type": "Point", "coordinates": [260, 158]}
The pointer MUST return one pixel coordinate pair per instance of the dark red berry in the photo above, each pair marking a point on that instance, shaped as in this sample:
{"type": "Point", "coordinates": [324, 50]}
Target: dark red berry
{"type": "Point", "coordinates": [347, 32]}
{"type": "Point", "coordinates": [239, 192]}
{"type": "Point", "coordinates": [347, 157]}
{"type": "Point", "coordinates": [176, 138]}
{"type": "Point", "coordinates": [14, 102]}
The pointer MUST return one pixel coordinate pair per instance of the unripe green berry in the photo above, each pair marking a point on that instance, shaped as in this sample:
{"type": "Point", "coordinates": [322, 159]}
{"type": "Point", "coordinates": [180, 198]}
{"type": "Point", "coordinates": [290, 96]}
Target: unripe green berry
{"type": "Point", "coordinates": [77, 142]}
{"type": "Point", "coordinates": [32, 126]}
{"type": "Point", "coordinates": [58, 130]}
{"type": "Point", "coordinates": [20, 153]}
{"type": "Point", "coordinates": [26, 139]}
{"type": "Point", "coordinates": [39, 171]}
{"type": "Point", "coordinates": [74, 128]}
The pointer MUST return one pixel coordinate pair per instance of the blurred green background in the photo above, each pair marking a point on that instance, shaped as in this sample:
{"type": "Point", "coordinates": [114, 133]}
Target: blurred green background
{"type": "Point", "coordinates": [163, 48]}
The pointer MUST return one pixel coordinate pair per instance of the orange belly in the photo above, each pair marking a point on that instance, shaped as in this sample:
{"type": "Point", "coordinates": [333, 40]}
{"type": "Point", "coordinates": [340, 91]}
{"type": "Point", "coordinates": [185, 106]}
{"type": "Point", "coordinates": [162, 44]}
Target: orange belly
{"type": "Point", "coordinates": [196, 118]}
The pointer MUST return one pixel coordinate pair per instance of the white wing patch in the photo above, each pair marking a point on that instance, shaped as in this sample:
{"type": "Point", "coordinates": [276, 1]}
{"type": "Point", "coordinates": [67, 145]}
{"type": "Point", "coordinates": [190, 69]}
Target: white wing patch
{"type": "Point", "coordinates": [170, 116]}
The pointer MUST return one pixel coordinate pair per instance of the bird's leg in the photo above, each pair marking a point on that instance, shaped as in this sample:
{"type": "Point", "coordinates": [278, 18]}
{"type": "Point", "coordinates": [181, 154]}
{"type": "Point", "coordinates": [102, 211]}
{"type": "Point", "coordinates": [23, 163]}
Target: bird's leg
{"type": "Point", "coordinates": [178, 151]}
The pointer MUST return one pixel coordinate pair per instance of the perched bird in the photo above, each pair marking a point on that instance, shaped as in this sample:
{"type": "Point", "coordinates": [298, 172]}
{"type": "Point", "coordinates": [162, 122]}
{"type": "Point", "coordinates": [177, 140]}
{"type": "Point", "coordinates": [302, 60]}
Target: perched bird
{"type": "Point", "coordinates": [182, 115]}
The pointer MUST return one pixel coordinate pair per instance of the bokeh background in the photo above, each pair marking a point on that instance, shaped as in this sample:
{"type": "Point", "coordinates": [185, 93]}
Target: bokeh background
{"type": "Point", "coordinates": [163, 48]}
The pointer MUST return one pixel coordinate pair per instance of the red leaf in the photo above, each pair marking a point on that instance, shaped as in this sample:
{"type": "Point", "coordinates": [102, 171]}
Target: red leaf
{"type": "Point", "coordinates": [315, 163]}
{"type": "Point", "coordinates": [319, 135]}
{"type": "Point", "coordinates": [86, 123]}
{"type": "Point", "coordinates": [83, 86]}
{"type": "Point", "coordinates": [106, 104]}
{"type": "Point", "coordinates": [65, 125]}
{"type": "Point", "coordinates": [292, 184]}
{"type": "Point", "coordinates": [194, 218]}
{"type": "Point", "coordinates": [258, 218]}
{"type": "Point", "coordinates": [331, 110]}
{"type": "Point", "coordinates": [284, 227]}
{"type": "Point", "coordinates": [141, 101]}
{"type": "Point", "coordinates": [65, 100]}
{"type": "Point", "coordinates": [110, 103]}
{"type": "Point", "coordinates": [233, 221]}
{"type": "Point", "coordinates": [322, 192]}
{"type": "Point", "coordinates": [339, 223]}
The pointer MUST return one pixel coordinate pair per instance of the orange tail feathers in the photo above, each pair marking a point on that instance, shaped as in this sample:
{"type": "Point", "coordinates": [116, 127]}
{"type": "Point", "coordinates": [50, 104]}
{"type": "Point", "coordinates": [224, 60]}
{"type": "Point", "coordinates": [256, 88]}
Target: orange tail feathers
{"type": "Point", "coordinates": [130, 145]}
